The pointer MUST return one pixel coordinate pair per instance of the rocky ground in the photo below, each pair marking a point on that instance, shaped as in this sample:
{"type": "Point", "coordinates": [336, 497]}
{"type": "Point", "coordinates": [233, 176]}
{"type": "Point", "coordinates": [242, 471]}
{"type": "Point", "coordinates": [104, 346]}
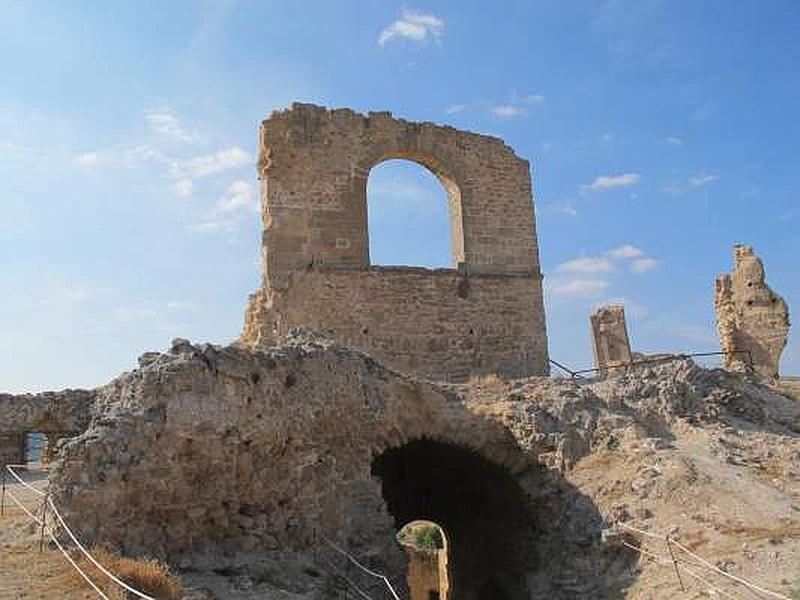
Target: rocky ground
{"type": "Point", "coordinates": [705, 456]}
{"type": "Point", "coordinates": [710, 458]}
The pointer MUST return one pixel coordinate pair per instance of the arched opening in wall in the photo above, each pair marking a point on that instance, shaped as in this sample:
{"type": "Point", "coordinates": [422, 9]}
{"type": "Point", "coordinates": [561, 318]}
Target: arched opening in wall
{"type": "Point", "coordinates": [413, 216]}
{"type": "Point", "coordinates": [477, 503]}
{"type": "Point", "coordinates": [425, 545]}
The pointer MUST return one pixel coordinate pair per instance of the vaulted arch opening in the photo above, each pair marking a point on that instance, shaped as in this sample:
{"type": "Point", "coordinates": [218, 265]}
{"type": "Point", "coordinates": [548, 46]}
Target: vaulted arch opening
{"type": "Point", "coordinates": [479, 506]}
{"type": "Point", "coordinates": [413, 216]}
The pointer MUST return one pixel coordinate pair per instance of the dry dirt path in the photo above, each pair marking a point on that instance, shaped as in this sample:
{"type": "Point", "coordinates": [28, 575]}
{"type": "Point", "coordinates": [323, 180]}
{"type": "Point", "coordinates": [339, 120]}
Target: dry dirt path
{"type": "Point", "coordinates": [26, 573]}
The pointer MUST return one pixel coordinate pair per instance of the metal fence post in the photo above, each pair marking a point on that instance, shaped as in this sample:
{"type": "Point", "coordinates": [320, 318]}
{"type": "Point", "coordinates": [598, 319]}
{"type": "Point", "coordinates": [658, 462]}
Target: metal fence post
{"type": "Point", "coordinates": [3, 494]}
{"type": "Point", "coordinates": [44, 520]}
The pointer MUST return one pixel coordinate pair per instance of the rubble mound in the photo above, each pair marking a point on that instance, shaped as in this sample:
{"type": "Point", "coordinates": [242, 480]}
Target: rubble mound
{"type": "Point", "coordinates": [245, 467]}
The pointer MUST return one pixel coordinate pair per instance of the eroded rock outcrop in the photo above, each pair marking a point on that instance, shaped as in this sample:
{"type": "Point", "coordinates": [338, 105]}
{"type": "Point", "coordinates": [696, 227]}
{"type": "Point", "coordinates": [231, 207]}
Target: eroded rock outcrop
{"type": "Point", "coordinates": [752, 320]}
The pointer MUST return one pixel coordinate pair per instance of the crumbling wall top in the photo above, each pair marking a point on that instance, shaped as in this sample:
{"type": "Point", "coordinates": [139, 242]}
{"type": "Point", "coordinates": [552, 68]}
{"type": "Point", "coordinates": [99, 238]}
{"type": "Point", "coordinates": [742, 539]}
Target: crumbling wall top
{"type": "Point", "coordinates": [752, 320]}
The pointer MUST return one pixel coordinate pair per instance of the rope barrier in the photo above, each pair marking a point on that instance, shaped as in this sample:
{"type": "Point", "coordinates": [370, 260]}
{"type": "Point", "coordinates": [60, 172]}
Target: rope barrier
{"type": "Point", "coordinates": [664, 561]}
{"type": "Point", "coordinates": [75, 565]}
{"type": "Point", "coordinates": [103, 570]}
{"type": "Point", "coordinates": [362, 567]}
{"type": "Point", "coordinates": [41, 521]}
{"type": "Point", "coordinates": [347, 580]}
{"type": "Point", "coordinates": [705, 564]}
{"type": "Point", "coordinates": [716, 569]}
{"type": "Point", "coordinates": [23, 508]}
{"type": "Point", "coordinates": [10, 469]}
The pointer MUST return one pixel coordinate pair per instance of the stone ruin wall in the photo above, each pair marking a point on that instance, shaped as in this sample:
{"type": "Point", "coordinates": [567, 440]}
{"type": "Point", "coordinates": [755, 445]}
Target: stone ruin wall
{"type": "Point", "coordinates": [610, 343]}
{"type": "Point", "coordinates": [752, 320]}
{"type": "Point", "coordinates": [56, 414]}
{"type": "Point", "coordinates": [484, 316]}
{"type": "Point", "coordinates": [209, 451]}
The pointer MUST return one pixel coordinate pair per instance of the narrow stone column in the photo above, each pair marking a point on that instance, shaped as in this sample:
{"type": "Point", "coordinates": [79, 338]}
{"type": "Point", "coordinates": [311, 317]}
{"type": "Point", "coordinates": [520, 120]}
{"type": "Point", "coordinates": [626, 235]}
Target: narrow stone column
{"type": "Point", "coordinates": [612, 350]}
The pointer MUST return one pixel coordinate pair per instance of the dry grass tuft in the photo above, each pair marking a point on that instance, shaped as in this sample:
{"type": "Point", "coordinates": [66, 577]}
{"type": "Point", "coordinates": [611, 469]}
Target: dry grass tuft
{"type": "Point", "coordinates": [147, 575]}
{"type": "Point", "coordinates": [488, 379]}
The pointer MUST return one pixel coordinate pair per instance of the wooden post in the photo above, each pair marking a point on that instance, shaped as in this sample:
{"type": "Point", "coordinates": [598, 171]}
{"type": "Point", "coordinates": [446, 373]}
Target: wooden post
{"type": "Point", "coordinates": [675, 564]}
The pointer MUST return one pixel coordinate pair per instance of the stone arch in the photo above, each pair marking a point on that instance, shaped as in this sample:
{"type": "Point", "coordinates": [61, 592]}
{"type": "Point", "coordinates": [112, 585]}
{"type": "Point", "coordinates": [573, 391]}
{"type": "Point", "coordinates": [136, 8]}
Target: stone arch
{"type": "Point", "coordinates": [484, 317]}
{"type": "Point", "coordinates": [448, 175]}
{"type": "Point", "coordinates": [479, 505]}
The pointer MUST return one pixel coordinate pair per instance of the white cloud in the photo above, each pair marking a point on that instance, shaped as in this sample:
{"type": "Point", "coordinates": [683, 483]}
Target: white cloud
{"type": "Point", "coordinates": [454, 108]}
{"type": "Point", "coordinates": [209, 226]}
{"type": "Point", "coordinates": [566, 207]}
{"type": "Point", "coordinates": [413, 26]}
{"type": "Point", "coordinates": [182, 305]}
{"type": "Point", "coordinates": [506, 111]}
{"type": "Point", "coordinates": [229, 210]}
{"type": "Point", "coordinates": [240, 197]}
{"type": "Point", "coordinates": [674, 140]}
{"type": "Point", "coordinates": [672, 188]}
{"type": "Point", "coordinates": [588, 264]}
{"type": "Point", "coordinates": [608, 182]}
{"type": "Point", "coordinates": [625, 251]}
{"type": "Point", "coordinates": [702, 179]}
{"type": "Point", "coordinates": [86, 159]}
{"type": "Point", "coordinates": [202, 166]}
{"type": "Point", "coordinates": [530, 99]}
{"type": "Point", "coordinates": [514, 107]}
{"type": "Point", "coordinates": [643, 265]}
{"type": "Point", "coordinates": [166, 123]}
{"type": "Point", "coordinates": [182, 187]}
{"type": "Point", "coordinates": [607, 137]}
{"type": "Point", "coordinates": [582, 288]}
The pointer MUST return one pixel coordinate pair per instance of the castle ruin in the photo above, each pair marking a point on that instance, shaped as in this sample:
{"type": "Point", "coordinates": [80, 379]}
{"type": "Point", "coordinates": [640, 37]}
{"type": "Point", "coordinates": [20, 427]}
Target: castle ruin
{"type": "Point", "coordinates": [484, 316]}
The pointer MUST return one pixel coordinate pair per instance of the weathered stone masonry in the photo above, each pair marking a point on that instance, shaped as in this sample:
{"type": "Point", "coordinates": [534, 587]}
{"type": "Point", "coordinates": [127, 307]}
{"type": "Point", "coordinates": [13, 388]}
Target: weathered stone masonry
{"type": "Point", "coordinates": [752, 320]}
{"type": "Point", "coordinates": [485, 316]}
{"type": "Point", "coordinates": [57, 413]}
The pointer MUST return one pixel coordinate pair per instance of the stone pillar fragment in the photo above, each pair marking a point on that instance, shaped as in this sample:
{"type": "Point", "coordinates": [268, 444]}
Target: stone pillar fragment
{"type": "Point", "coordinates": [612, 349]}
{"type": "Point", "coordinates": [752, 320]}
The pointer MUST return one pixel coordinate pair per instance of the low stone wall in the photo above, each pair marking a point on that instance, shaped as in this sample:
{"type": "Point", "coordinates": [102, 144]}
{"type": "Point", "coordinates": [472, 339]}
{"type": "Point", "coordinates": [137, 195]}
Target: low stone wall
{"type": "Point", "coordinates": [46, 412]}
{"type": "Point", "coordinates": [66, 413]}
{"type": "Point", "coordinates": [437, 323]}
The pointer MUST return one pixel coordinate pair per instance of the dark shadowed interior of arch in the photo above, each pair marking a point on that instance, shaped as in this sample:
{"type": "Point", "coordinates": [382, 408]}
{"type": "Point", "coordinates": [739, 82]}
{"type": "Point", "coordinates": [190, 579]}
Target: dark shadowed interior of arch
{"type": "Point", "coordinates": [408, 216]}
{"type": "Point", "coordinates": [479, 506]}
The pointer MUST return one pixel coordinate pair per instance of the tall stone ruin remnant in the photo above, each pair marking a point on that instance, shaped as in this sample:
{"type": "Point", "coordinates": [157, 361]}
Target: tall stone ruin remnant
{"type": "Point", "coordinates": [752, 320]}
{"type": "Point", "coordinates": [612, 349]}
{"type": "Point", "coordinates": [484, 316]}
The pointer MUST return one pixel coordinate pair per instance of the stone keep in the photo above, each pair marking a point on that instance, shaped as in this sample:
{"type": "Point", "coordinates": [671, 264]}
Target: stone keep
{"type": "Point", "coordinates": [610, 338]}
{"type": "Point", "coordinates": [751, 318]}
{"type": "Point", "coordinates": [484, 316]}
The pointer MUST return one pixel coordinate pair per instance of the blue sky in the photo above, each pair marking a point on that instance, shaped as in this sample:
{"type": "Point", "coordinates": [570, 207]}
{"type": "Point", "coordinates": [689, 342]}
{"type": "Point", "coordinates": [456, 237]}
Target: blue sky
{"type": "Point", "coordinates": [659, 134]}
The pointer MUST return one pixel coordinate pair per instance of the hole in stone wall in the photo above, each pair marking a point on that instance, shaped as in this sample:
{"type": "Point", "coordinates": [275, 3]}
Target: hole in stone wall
{"type": "Point", "coordinates": [41, 448]}
{"type": "Point", "coordinates": [477, 503]}
{"type": "Point", "coordinates": [425, 545]}
{"type": "Point", "coordinates": [408, 216]}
